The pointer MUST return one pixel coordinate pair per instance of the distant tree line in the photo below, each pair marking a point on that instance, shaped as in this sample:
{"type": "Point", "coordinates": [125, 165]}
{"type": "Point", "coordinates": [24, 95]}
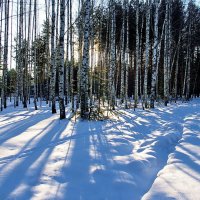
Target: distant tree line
{"type": "Point", "coordinates": [114, 53]}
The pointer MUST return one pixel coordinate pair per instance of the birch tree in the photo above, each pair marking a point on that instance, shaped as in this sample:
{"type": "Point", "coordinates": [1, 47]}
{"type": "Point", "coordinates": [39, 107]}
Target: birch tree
{"type": "Point", "coordinates": [166, 54]}
{"type": "Point", "coordinates": [47, 65]}
{"type": "Point", "coordinates": [61, 57]}
{"type": "Point", "coordinates": [35, 37]}
{"type": "Point", "coordinates": [122, 92]}
{"type": "Point", "coordinates": [155, 55]}
{"type": "Point", "coordinates": [1, 67]}
{"type": "Point", "coordinates": [148, 9]}
{"type": "Point", "coordinates": [71, 56]}
{"type": "Point", "coordinates": [85, 62]}
{"type": "Point", "coordinates": [20, 70]}
{"type": "Point", "coordinates": [53, 64]}
{"type": "Point", "coordinates": [5, 57]}
{"type": "Point", "coordinates": [137, 58]}
{"type": "Point", "coordinates": [17, 61]}
{"type": "Point", "coordinates": [112, 59]}
{"type": "Point", "coordinates": [186, 86]}
{"type": "Point", "coordinates": [127, 55]}
{"type": "Point", "coordinates": [25, 74]}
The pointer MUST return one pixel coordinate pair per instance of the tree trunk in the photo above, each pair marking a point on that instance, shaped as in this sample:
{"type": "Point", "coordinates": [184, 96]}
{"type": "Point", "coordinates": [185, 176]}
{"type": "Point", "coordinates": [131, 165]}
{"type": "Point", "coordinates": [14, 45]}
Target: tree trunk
{"type": "Point", "coordinates": [5, 57]}
{"type": "Point", "coordinates": [148, 4]}
{"type": "Point", "coordinates": [155, 56]}
{"type": "Point", "coordinates": [127, 55]}
{"type": "Point", "coordinates": [35, 73]}
{"type": "Point", "coordinates": [137, 54]}
{"type": "Point", "coordinates": [166, 56]}
{"type": "Point", "coordinates": [85, 63]}
{"type": "Point", "coordinates": [53, 64]}
{"type": "Point", "coordinates": [61, 58]}
{"type": "Point", "coordinates": [112, 59]}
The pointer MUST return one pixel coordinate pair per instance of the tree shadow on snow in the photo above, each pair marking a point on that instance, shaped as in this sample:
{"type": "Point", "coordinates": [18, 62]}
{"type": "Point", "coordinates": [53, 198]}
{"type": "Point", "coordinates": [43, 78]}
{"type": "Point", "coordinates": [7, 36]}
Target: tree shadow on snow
{"type": "Point", "coordinates": [25, 172]}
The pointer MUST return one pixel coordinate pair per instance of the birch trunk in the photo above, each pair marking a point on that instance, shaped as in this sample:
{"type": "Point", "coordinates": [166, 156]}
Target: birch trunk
{"type": "Point", "coordinates": [166, 57]}
{"type": "Point", "coordinates": [47, 65]}
{"type": "Point", "coordinates": [92, 59]}
{"type": "Point", "coordinates": [17, 59]}
{"type": "Point", "coordinates": [137, 54]}
{"type": "Point", "coordinates": [67, 70]}
{"type": "Point", "coordinates": [35, 73]}
{"type": "Point", "coordinates": [155, 56]}
{"type": "Point", "coordinates": [85, 63]}
{"type": "Point", "coordinates": [127, 56]}
{"type": "Point", "coordinates": [20, 50]}
{"type": "Point", "coordinates": [53, 64]}
{"type": "Point", "coordinates": [147, 50]}
{"type": "Point", "coordinates": [25, 75]}
{"type": "Point", "coordinates": [1, 68]}
{"type": "Point", "coordinates": [122, 89]}
{"type": "Point", "coordinates": [112, 60]}
{"type": "Point", "coordinates": [28, 56]}
{"type": "Point", "coordinates": [11, 47]}
{"type": "Point", "coordinates": [61, 58]}
{"type": "Point", "coordinates": [71, 57]}
{"type": "Point", "coordinates": [80, 46]}
{"type": "Point", "coordinates": [5, 57]}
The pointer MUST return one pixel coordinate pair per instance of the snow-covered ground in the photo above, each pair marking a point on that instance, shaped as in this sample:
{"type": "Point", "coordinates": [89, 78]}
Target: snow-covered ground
{"type": "Point", "coordinates": [152, 154]}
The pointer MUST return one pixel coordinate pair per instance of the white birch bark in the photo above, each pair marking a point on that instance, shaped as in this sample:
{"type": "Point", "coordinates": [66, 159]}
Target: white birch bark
{"type": "Point", "coordinates": [148, 9]}
{"type": "Point", "coordinates": [80, 46]}
{"type": "Point", "coordinates": [1, 67]}
{"type": "Point", "coordinates": [127, 55]}
{"type": "Point", "coordinates": [17, 60]}
{"type": "Point", "coordinates": [71, 57]}
{"type": "Point", "coordinates": [91, 58]}
{"type": "Point", "coordinates": [5, 56]}
{"type": "Point", "coordinates": [61, 58]}
{"type": "Point", "coordinates": [122, 88]}
{"type": "Point", "coordinates": [20, 48]}
{"type": "Point", "coordinates": [112, 59]}
{"type": "Point", "coordinates": [11, 45]}
{"type": "Point", "coordinates": [137, 54]}
{"type": "Point", "coordinates": [48, 64]}
{"type": "Point", "coordinates": [35, 73]}
{"type": "Point", "coordinates": [155, 56]}
{"type": "Point", "coordinates": [84, 86]}
{"type": "Point", "coordinates": [67, 71]}
{"type": "Point", "coordinates": [166, 55]}
{"type": "Point", "coordinates": [27, 38]}
{"type": "Point", "coordinates": [53, 64]}
{"type": "Point", "coordinates": [28, 56]}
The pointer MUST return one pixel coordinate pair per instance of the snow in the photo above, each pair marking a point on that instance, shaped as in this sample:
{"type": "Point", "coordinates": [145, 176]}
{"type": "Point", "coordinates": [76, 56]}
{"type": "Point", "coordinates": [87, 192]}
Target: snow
{"type": "Point", "coordinates": [180, 178]}
{"type": "Point", "coordinates": [142, 154]}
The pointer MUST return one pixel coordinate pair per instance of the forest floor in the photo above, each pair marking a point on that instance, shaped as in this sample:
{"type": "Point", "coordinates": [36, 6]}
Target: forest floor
{"type": "Point", "coordinates": [142, 154]}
